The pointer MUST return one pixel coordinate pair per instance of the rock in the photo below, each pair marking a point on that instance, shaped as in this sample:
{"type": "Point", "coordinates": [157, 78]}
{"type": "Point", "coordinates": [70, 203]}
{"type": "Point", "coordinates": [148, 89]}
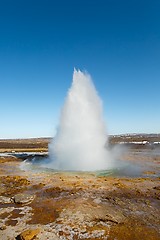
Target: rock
{"type": "Point", "coordinates": [28, 234]}
{"type": "Point", "coordinates": [97, 200]}
{"type": "Point", "coordinates": [22, 198]}
{"type": "Point", "coordinates": [109, 214]}
{"type": "Point", "coordinates": [6, 158]}
{"type": "Point", "coordinates": [3, 227]}
{"type": "Point", "coordinates": [83, 230]}
{"type": "Point", "coordinates": [5, 199]}
{"type": "Point", "coordinates": [115, 216]}
{"type": "Point", "coordinates": [157, 187]}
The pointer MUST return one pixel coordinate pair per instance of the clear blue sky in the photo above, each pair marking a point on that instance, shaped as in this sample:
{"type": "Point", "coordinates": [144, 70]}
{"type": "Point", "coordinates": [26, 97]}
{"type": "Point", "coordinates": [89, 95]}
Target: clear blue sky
{"type": "Point", "coordinates": [117, 42]}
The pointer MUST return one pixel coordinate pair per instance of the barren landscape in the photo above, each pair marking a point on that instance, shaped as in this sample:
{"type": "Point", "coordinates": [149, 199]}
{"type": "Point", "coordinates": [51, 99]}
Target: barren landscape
{"type": "Point", "coordinates": [79, 125]}
{"type": "Point", "coordinates": [79, 205]}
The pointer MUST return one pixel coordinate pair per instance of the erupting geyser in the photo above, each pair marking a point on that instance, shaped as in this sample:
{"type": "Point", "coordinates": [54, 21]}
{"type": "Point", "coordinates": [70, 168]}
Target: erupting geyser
{"type": "Point", "coordinates": [81, 140]}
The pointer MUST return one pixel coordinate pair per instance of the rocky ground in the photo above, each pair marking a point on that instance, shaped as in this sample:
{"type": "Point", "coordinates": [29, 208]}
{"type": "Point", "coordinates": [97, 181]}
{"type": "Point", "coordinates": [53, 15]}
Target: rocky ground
{"type": "Point", "coordinates": [45, 205]}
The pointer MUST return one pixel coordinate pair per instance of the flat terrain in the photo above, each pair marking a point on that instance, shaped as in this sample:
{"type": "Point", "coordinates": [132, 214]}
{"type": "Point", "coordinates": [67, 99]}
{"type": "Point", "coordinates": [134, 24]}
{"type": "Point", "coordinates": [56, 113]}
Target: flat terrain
{"type": "Point", "coordinates": [58, 205]}
{"type": "Point", "coordinates": [24, 145]}
{"type": "Point", "coordinates": [41, 144]}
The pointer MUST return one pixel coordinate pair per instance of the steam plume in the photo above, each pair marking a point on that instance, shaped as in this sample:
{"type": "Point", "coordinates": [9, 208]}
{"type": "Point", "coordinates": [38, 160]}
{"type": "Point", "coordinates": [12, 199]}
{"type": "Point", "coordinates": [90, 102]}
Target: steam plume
{"type": "Point", "coordinates": [81, 139]}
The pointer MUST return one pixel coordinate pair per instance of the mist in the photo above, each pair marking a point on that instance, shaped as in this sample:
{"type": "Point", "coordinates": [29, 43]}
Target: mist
{"type": "Point", "coordinates": [81, 141]}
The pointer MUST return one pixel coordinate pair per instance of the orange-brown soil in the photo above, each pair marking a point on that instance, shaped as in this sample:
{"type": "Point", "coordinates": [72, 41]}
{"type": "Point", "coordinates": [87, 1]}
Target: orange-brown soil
{"type": "Point", "coordinates": [80, 206]}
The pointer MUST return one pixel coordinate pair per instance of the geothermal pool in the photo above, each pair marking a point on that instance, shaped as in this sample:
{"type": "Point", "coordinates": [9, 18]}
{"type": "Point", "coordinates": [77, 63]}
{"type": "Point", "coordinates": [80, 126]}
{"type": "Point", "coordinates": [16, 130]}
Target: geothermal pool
{"type": "Point", "coordinates": [41, 163]}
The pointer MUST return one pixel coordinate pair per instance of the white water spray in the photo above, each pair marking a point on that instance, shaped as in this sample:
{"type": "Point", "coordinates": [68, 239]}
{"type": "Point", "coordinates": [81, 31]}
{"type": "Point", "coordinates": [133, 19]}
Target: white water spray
{"type": "Point", "coordinates": [81, 140]}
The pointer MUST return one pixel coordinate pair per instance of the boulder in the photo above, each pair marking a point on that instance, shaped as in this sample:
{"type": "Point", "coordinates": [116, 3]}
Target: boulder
{"type": "Point", "coordinates": [4, 199]}
{"type": "Point", "coordinates": [28, 234]}
{"type": "Point", "coordinates": [23, 198]}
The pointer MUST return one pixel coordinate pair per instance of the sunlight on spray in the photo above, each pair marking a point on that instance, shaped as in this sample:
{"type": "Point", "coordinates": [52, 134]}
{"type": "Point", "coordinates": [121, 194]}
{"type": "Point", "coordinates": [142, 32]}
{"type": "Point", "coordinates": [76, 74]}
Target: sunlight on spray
{"type": "Point", "coordinates": [81, 141]}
